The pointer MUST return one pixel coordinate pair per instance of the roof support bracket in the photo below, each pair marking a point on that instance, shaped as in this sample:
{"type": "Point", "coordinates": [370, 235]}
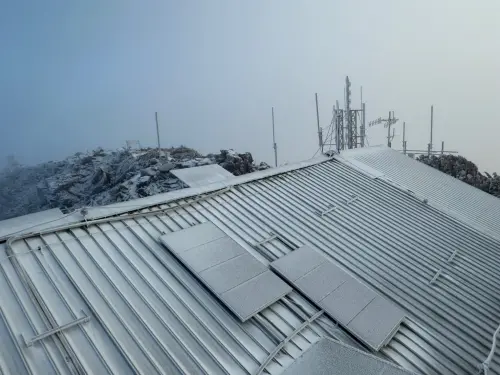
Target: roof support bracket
{"type": "Point", "coordinates": [353, 199]}
{"type": "Point", "coordinates": [53, 331]}
{"type": "Point", "coordinates": [438, 273]}
{"type": "Point", "coordinates": [452, 256]}
{"type": "Point", "coordinates": [330, 208]}
{"type": "Point", "coordinates": [271, 237]}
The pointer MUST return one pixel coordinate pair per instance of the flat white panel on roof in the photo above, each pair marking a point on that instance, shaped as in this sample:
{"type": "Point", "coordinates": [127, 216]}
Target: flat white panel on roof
{"type": "Point", "coordinates": [256, 294]}
{"type": "Point", "coordinates": [348, 300]}
{"type": "Point", "coordinates": [332, 357]}
{"type": "Point", "coordinates": [198, 235]}
{"type": "Point", "coordinates": [368, 316]}
{"type": "Point", "coordinates": [211, 254]}
{"type": "Point", "coordinates": [201, 176]}
{"type": "Point", "coordinates": [376, 320]}
{"type": "Point", "coordinates": [297, 263]}
{"type": "Point", "coordinates": [239, 280]}
{"type": "Point", "coordinates": [233, 272]}
{"type": "Point", "coordinates": [321, 281]}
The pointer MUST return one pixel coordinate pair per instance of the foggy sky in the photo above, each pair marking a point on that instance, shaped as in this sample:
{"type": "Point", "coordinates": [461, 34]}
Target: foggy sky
{"type": "Point", "coordinates": [77, 75]}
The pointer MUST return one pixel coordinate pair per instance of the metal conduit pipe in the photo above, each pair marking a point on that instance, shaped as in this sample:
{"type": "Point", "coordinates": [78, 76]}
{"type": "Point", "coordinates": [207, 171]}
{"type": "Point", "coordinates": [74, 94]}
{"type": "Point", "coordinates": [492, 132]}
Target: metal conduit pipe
{"type": "Point", "coordinates": [487, 361]}
{"type": "Point", "coordinates": [286, 340]}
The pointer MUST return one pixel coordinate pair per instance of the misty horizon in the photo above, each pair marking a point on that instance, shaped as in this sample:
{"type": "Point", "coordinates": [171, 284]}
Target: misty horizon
{"type": "Point", "coordinates": [80, 76]}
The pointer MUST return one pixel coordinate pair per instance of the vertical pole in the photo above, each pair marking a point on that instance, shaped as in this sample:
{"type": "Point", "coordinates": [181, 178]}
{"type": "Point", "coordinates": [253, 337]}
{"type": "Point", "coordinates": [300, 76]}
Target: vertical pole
{"type": "Point", "coordinates": [339, 135]}
{"type": "Point", "coordinates": [348, 112]}
{"type": "Point", "coordinates": [274, 142]}
{"type": "Point", "coordinates": [389, 123]}
{"type": "Point", "coordinates": [404, 138]}
{"type": "Point", "coordinates": [320, 135]}
{"type": "Point", "coordinates": [432, 125]}
{"type": "Point", "coordinates": [363, 123]}
{"type": "Point", "coordinates": [442, 147]}
{"type": "Point", "coordinates": [157, 133]}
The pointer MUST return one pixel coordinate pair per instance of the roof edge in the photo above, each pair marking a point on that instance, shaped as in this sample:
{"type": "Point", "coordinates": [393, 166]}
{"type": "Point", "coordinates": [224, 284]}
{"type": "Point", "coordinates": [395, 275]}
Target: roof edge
{"type": "Point", "coordinates": [100, 212]}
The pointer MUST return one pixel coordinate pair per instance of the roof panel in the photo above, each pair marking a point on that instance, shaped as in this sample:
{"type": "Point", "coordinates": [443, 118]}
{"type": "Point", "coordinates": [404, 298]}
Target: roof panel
{"type": "Point", "coordinates": [201, 234]}
{"type": "Point", "coordinates": [227, 270]}
{"type": "Point", "coordinates": [201, 176]}
{"type": "Point", "coordinates": [232, 272]}
{"type": "Point", "coordinates": [211, 254]}
{"type": "Point", "coordinates": [377, 322]}
{"type": "Point", "coordinates": [255, 294]}
{"type": "Point", "coordinates": [298, 262]}
{"type": "Point", "coordinates": [347, 301]}
{"type": "Point", "coordinates": [331, 357]}
{"type": "Point", "coordinates": [341, 296]}
{"type": "Point", "coordinates": [321, 281]}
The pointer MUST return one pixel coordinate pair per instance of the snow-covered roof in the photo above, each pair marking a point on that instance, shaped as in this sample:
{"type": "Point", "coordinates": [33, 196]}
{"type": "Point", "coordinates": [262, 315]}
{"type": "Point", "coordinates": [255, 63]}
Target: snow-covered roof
{"type": "Point", "coordinates": [36, 222]}
{"type": "Point", "coordinates": [133, 308]}
{"type": "Point", "coordinates": [446, 193]}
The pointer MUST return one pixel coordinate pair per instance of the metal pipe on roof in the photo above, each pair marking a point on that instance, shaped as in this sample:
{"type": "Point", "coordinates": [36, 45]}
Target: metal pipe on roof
{"type": "Point", "coordinates": [487, 361]}
{"type": "Point", "coordinates": [275, 146]}
{"type": "Point", "coordinates": [286, 340]}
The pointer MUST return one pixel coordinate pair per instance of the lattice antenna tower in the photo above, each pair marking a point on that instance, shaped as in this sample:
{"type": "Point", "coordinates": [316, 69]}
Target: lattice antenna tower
{"type": "Point", "coordinates": [346, 122]}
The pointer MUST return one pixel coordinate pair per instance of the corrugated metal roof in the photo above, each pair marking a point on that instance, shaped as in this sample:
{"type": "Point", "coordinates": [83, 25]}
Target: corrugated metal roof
{"type": "Point", "coordinates": [469, 204]}
{"type": "Point", "coordinates": [150, 315]}
{"type": "Point", "coordinates": [36, 222]}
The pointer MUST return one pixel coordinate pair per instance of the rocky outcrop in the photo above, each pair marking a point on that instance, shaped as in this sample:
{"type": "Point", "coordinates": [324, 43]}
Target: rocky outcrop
{"type": "Point", "coordinates": [104, 177]}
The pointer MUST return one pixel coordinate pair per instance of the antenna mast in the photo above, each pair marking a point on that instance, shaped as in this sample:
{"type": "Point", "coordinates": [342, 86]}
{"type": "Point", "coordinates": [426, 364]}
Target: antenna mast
{"type": "Point", "coordinates": [404, 138]}
{"type": "Point", "coordinates": [275, 146]}
{"type": "Point", "coordinates": [320, 132]}
{"type": "Point", "coordinates": [432, 125]}
{"type": "Point", "coordinates": [158, 134]}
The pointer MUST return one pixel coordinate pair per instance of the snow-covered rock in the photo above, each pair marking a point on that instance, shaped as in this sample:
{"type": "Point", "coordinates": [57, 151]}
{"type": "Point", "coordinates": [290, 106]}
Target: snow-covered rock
{"type": "Point", "coordinates": [103, 177]}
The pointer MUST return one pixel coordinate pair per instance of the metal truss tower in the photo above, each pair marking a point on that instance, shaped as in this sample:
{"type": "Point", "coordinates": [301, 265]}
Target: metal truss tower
{"type": "Point", "coordinates": [346, 123]}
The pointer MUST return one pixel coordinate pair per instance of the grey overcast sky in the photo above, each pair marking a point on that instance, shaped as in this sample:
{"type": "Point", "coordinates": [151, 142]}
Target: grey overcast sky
{"type": "Point", "coordinates": [77, 75]}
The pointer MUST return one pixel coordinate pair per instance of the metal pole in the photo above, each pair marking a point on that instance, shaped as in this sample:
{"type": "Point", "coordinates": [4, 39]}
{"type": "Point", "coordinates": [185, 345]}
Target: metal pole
{"type": "Point", "coordinates": [274, 142]}
{"type": "Point", "coordinates": [320, 135]}
{"type": "Point", "coordinates": [442, 147]}
{"type": "Point", "coordinates": [404, 138]}
{"type": "Point", "coordinates": [348, 112]}
{"type": "Point", "coordinates": [339, 141]}
{"type": "Point", "coordinates": [389, 130]}
{"type": "Point", "coordinates": [157, 133]}
{"type": "Point", "coordinates": [432, 124]}
{"type": "Point", "coordinates": [363, 123]}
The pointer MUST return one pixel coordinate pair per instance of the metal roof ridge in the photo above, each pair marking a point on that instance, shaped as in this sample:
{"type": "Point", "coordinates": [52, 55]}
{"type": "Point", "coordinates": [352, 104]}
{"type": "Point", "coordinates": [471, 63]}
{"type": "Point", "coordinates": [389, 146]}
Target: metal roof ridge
{"type": "Point", "coordinates": [99, 212]}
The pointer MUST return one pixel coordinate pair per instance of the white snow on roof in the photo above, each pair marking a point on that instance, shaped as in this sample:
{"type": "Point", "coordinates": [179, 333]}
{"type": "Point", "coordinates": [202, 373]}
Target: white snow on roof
{"type": "Point", "coordinates": [443, 192]}
{"type": "Point", "coordinates": [204, 175]}
{"type": "Point", "coordinates": [36, 222]}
